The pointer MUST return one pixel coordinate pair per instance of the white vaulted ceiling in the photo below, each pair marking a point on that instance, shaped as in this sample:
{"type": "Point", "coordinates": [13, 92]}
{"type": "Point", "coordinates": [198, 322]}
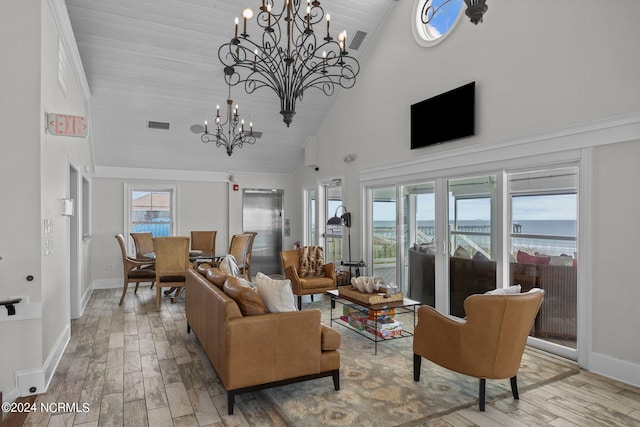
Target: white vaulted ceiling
{"type": "Point", "coordinates": [158, 60]}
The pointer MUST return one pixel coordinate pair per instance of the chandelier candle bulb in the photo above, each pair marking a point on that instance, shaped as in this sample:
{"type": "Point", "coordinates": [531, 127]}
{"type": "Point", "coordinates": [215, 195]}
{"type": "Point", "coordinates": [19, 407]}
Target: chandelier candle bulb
{"type": "Point", "coordinates": [247, 13]}
{"type": "Point", "coordinates": [237, 21]}
{"type": "Point", "coordinates": [269, 13]}
{"type": "Point", "coordinates": [328, 19]}
{"type": "Point", "coordinates": [205, 126]}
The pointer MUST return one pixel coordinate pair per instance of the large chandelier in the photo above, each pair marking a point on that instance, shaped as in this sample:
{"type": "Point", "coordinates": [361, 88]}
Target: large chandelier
{"type": "Point", "coordinates": [234, 135]}
{"type": "Point", "coordinates": [292, 54]}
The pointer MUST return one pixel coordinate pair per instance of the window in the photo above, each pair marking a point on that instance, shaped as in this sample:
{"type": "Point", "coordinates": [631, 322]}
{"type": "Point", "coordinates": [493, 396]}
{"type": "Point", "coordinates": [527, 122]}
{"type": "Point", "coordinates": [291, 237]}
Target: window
{"type": "Point", "coordinates": [310, 236]}
{"type": "Point", "coordinates": [441, 17]}
{"type": "Point", "coordinates": [150, 210]}
{"type": "Point", "coordinates": [419, 241]}
{"type": "Point", "coordinates": [461, 235]}
{"type": "Point", "coordinates": [334, 233]}
{"type": "Point", "coordinates": [471, 236]}
{"type": "Point", "coordinates": [543, 252]}
{"type": "Point", "coordinates": [384, 234]}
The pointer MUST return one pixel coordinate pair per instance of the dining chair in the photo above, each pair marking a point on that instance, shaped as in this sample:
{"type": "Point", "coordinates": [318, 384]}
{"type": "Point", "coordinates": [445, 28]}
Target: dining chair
{"type": "Point", "coordinates": [249, 253]}
{"type": "Point", "coordinates": [143, 243]}
{"type": "Point", "coordinates": [135, 270]}
{"type": "Point", "coordinates": [487, 344]}
{"type": "Point", "coordinates": [172, 263]}
{"type": "Point", "coordinates": [204, 241]}
{"type": "Point", "coordinates": [240, 247]}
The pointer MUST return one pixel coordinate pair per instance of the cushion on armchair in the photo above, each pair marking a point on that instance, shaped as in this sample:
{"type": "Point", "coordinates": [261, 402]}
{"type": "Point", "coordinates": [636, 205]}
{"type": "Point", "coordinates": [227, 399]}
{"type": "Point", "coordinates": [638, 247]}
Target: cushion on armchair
{"type": "Point", "coordinates": [311, 261]}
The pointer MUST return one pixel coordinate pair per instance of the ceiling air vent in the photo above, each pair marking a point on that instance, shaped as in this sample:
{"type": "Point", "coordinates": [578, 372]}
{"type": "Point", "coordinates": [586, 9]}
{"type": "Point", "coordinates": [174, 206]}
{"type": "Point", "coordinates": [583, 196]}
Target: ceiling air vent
{"type": "Point", "coordinates": [356, 41]}
{"type": "Point", "coordinates": [157, 125]}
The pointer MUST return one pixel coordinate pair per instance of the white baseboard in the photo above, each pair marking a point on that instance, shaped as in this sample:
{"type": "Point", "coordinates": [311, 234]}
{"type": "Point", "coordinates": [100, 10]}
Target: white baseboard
{"type": "Point", "coordinates": [106, 283]}
{"type": "Point", "coordinates": [621, 370]}
{"type": "Point", "coordinates": [36, 381]}
{"type": "Point", "coordinates": [113, 284]}
{"type": "Point", "coordinates": [85, 299]}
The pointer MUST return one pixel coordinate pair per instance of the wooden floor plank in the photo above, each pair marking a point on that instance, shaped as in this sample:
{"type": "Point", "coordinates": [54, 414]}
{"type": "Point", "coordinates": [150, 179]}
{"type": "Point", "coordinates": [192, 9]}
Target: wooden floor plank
{"type": "Point", "coordinates": [153, 352]}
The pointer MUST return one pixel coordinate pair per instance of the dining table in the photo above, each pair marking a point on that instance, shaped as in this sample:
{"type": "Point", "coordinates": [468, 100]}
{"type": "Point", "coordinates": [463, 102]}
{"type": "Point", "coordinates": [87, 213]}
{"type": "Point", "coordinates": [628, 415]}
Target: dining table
{"type": "Point", "coordinates": [195, 256]}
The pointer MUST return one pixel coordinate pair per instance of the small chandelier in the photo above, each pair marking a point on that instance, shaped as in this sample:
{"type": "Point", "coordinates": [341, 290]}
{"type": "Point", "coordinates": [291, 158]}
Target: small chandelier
{"type": "Point", "coordinates": [235, 134]}
{"type": "Point", "coordinates": [475, 10]}
{"type": "Point", "coordinates": [292, 54]}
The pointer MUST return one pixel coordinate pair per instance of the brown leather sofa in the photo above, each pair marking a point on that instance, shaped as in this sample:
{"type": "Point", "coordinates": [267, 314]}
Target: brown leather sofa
{"type": "Point", "coordinates": [258, 351]}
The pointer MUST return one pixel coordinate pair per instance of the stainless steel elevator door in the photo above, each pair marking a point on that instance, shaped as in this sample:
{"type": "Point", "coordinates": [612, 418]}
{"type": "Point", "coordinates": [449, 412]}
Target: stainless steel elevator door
{"type": "Point", "coordinates": [262, 212]}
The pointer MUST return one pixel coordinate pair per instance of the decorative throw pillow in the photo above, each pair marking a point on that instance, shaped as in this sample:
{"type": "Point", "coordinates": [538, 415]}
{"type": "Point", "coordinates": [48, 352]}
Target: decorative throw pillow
{"type": "Point", "coordinates": [216, 276]}
{"type": "Point", "coordinates": [461, 253]}
{"type": "Point", "coordinates": [479, 256]}
{"type": "Point", "coordinates": [515, 289]}
{"type": "Point", "coordinates": [276, 294]}
{"type": "Point", "coordinates": [245, 296]}
{"type": "Point", "coordinates": [311, 261]}
{"type": "Point", "coordinates": [229, 266]}
{"type": "Point", "coordinates": [525, 258]}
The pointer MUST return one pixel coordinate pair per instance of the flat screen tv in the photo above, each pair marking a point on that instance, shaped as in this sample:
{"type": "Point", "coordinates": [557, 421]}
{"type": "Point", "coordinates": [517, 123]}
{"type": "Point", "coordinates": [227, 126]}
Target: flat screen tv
{"type": "Point", "coordinates": [450, 115]}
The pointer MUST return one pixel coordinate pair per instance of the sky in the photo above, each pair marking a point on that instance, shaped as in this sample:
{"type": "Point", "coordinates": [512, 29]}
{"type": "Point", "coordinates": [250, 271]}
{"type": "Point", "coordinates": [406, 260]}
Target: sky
{"type": "Point", "coordinates": [551, 207]}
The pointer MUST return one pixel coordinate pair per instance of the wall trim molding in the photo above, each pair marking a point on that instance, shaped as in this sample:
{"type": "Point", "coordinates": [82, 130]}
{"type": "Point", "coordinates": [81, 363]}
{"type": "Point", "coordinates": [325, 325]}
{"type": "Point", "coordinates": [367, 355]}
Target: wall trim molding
{"type": "Point", "coordinates": [609, 130]}
{"type": "Point", "coordinates": [621, 370]}
{"type": "Point", "coordinates": [124, 173]}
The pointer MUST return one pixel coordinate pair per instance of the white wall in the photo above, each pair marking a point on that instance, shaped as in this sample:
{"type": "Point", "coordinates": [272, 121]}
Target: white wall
{"type": "Point", "coordinates": [19, 163]}
{"type": "Point", "coordinates": [616, 233]}
{"type": "Point", "coordinates": [538, 66]}
{"type": "Point", "coordinates": [201, 206]}
{"type": "Point", "coordinates": [34, 168]}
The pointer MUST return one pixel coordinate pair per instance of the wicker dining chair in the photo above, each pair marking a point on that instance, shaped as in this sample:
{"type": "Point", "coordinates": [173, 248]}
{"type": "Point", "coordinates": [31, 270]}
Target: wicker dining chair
{"type": "Point", "coordinates": [172, 263]}
{"type": "Point", "coordinates": [135, 270]}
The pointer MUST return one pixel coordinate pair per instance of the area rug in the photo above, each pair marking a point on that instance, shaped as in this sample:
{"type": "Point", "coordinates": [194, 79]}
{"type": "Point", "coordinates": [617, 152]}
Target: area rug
{"type": "Point", "coordinates": [378, 390]}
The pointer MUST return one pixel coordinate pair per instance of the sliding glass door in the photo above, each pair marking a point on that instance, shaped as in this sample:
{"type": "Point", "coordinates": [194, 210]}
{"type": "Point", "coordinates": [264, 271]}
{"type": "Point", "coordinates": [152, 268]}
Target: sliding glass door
{"type": "Point", "coordinates": [384, 233]}
{"type": "Point", "coordinates": [543, 253]}
{"type": "Point", "coordinates": [419, 242]}
{"type": "Point", "coordinates": [472, 237]}
{"type": "Point", "coordinates": [445, 239]}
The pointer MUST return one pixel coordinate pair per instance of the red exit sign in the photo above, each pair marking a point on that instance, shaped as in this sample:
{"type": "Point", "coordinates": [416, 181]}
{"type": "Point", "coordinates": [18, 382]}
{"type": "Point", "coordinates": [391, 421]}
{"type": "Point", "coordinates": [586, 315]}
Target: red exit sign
{"type": "Point", "coordinates": [66, 125]}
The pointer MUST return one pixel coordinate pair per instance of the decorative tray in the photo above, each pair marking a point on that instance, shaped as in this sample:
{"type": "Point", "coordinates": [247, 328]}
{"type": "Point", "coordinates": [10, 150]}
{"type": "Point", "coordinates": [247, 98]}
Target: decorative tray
{"type": "Point", "coordinates": [366, 298]}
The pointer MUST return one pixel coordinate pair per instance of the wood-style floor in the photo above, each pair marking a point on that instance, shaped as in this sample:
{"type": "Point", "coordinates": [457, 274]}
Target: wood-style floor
{"type": "Point", "coordinates": [134, 366]}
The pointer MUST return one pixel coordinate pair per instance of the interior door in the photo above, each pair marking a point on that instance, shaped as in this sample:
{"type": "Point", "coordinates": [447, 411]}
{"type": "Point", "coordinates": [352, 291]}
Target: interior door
{"type": "Point", "coordinates": [262, 213]}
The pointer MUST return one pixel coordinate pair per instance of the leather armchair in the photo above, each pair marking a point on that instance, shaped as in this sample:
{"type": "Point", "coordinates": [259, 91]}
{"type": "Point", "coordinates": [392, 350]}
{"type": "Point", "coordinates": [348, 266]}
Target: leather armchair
{"type": "Point", "coordinates": [308, 285]}
{"type": "Point", "coordinates": [488, 343]}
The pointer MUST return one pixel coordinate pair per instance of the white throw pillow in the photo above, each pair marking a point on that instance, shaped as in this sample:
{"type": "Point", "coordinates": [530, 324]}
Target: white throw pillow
{"type": "Point", "coordinates": [564, 260]}
{"type": "Point", "coordinates": [277, 295]}
{"type": "Point", "coordinates": [229, 266]}
{"type": "Point", "coordinates": [515, 289]}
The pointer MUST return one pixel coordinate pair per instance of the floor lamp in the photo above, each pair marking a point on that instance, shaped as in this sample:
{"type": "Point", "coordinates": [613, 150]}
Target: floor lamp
{"type": "Point", "coordinates": [343, 220]}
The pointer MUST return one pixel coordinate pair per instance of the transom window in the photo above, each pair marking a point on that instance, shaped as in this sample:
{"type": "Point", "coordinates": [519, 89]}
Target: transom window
{"type": "Point", "coordinates": [434, 19]}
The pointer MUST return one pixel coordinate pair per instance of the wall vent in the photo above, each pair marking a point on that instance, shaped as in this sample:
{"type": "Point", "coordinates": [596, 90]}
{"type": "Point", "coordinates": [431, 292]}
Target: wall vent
{"type": "Point", "coordinates": [356, 41]}
{"type": "Point", "coordinates": [157, 125]}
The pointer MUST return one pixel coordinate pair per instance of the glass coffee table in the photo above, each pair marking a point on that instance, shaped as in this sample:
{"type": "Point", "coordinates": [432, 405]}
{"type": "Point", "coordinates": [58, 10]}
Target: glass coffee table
{"type": "Point", "coordinates": [372, 314]}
